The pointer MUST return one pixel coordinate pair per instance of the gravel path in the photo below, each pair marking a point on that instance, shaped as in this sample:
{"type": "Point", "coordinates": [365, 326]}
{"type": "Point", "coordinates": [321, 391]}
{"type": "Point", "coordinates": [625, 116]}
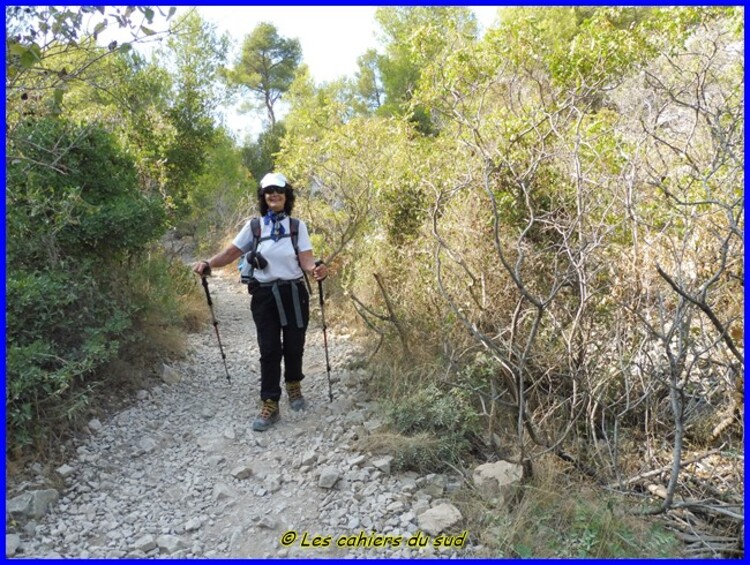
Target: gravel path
{"type": "Point", "coordinates": [180, 473]}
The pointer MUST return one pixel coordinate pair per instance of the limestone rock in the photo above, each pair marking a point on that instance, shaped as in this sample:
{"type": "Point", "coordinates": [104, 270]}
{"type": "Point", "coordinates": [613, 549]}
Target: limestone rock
{"type": "Point", "coordinates": [33, 504]}
{"type": "Point", "coordinates": [169, 375]}
{"type": "Point", "coordinates": [441, 518]}
{"type": "Point", "coordinates": [498, 479]}
{"type": "Point", "coordinates": [329, 476]}
{"type": "Point", "coordinates": [65, 471]}
{"type": "Point", "coordinates": [145, 543]}
{"type": "Point", "coordinates": [12, 544]}
{"type": "Point", "coordinates": [242, 472]}
{"type": "Point", "coordinates": [170, 544]}
{"type": "Point", "coordinates": [383, 463]}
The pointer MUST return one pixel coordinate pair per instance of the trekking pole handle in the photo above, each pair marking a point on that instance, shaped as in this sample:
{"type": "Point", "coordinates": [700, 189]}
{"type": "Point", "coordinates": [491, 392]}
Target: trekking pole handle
{"type": "Point", "coordinates": [320, 289]}
{"type": "Point", "coordinates": [204, 282]}
{"type": "Point", "coordinates": [318, 263]}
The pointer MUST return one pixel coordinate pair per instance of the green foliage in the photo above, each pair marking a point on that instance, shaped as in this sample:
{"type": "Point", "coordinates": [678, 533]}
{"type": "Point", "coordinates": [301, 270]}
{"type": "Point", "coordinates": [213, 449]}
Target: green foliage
{"type": "Point", "coordinates": [86, 203]}
{"type": "Point", "coordinates": [368, 85]}
{"type": "Point", "coordinates": [405, 211]}
{"type": "Point", "coordinates": [442, 422]}
{"type": "Point", "coordinates": [266, 67]}
{"type": "Point", "coordinates": [37, 35]}
{"type": "Point", "coordinates": [196, 54]}
{"type": "Point", "coordinates": [314, 111]}
{"type": "Point", "coordinates": [571, 150]}
{"type": "Point", "coordinates": [414, 38]}
{"type": "Point", "coordinates": [349, 192]}
{"type": "Point", "coordinates": [145, 128]}
{"type": "Point", "coordinates": [75, 218]}
{"type": "Point", "coordinates": [259, 157]}
{"type": "Point", "coordinates": [62, 325]}
{"type": "Point", "coordinates": [161, 290]}
{"type": "Point", "coordinates": [165, 119]}
{"type": "Point", "coordinates": [222, 194]}
{"type": "Point", "coordinates": [564, 524]}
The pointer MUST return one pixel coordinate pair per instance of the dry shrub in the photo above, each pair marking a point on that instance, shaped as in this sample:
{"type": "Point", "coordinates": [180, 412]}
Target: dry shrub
{"type": "Point", "coordinates": [193, 312]}
{"type": "Point", "coordinates": [559, 516]}
{"type": "Point", "coordinates": [432, 425]}
{"type": "Point", "coordinates": [417, 452]}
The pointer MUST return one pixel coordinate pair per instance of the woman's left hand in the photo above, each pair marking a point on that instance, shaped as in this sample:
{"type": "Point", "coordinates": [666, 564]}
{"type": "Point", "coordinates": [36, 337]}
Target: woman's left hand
{"type": "Point", "coordinates": [320, 272]}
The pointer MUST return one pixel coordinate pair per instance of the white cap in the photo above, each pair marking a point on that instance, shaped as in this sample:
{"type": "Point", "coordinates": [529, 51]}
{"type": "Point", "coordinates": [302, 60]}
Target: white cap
{"type": "Point", "coordinates": [273, 179]}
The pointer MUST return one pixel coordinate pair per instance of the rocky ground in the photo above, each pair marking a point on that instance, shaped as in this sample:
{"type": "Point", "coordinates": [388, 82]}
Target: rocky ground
{"type": "Point", "coordinates": [180, 473]}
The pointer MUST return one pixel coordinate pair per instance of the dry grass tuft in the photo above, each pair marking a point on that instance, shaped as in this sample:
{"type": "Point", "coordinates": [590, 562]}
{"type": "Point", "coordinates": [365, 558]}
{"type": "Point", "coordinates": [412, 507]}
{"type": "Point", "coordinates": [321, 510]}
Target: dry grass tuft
{"type": "Point", "coordinates": [557, 516]}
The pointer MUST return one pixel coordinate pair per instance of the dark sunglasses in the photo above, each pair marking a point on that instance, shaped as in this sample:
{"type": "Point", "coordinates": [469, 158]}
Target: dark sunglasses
{"type": "Point", "coordinates": [274, 190]}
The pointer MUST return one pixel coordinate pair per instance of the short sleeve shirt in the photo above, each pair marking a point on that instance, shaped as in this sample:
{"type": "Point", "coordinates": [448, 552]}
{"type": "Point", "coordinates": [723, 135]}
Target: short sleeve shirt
{"type": "Point", "coordinates": [282, 260]}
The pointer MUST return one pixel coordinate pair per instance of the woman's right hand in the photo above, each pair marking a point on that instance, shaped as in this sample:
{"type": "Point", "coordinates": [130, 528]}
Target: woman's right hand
{"type": "Point", "coordinates": [221, 259]}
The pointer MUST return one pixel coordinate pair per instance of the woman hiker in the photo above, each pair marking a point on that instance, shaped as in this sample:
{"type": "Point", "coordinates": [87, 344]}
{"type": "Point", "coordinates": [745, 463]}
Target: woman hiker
{"type": "Point", "coordinates": [280, 302]}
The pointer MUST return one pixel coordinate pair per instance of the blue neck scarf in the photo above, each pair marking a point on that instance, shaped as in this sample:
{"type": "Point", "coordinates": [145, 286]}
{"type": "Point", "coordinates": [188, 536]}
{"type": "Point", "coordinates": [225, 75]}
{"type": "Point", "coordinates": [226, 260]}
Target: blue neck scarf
{"type": "Point", "coordinates": [277, 230]}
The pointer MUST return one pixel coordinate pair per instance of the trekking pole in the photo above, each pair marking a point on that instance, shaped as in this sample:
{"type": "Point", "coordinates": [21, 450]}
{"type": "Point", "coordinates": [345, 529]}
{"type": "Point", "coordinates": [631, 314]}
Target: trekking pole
{"type": "Point", "coordinates": [213, 318]}
{"type": "Point", "coordinates": [325, 338]}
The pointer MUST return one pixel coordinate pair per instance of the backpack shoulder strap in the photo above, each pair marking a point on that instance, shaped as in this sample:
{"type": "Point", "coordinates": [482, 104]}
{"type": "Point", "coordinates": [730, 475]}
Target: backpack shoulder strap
{"type": "Point", "coordinates": [294, 229]}
{"type": "Point", "coordinates": [246, 268]}
{"type": "Point", "coordinates": [255, 227]}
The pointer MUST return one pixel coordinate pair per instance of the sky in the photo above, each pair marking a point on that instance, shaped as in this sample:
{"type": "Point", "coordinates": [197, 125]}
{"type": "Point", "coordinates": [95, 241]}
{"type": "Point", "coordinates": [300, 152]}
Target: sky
{"type": "Point", "coordinates": [331, 37]}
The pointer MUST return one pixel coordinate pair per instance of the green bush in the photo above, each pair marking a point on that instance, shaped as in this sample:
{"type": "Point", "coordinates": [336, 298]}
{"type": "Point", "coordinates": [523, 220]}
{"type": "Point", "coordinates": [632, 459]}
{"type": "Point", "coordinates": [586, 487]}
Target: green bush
{"type": "Point", "coordinates": [441, 423]}
{"type": "Point", "coordinates": [73, 193]}
{"type": "Point", "coordinates": [77, 224]}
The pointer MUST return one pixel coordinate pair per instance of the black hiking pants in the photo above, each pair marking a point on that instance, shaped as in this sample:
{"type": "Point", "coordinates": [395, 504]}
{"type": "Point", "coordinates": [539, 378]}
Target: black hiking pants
{"type": "Point", "coordinates": [277, 341]}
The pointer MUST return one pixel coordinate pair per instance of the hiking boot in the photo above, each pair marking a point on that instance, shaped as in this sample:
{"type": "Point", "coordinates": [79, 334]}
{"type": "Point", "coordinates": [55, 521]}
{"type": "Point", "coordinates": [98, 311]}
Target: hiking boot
{"type": "Point", "coordinates": [269, 414]}
{"type": "Point", "coordinates": [294, 391]}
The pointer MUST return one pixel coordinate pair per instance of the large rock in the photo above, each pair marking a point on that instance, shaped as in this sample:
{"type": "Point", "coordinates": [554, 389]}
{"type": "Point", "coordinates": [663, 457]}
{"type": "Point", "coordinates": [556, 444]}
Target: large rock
{"type": "Point", "coordinates": [439, 519]}
{"type": "Point", "coordinates": [223, 493]}
{"type": "Point", "coordinates": [19, 506]}
{"type": "Point", "coordinates": [498, 480]}
{"type": "Point", "coordinates": [32, 504]}
{"type": "Point", "coordinates": [42, 501]}
{"type": "Point", "coordinates": [95, 425]}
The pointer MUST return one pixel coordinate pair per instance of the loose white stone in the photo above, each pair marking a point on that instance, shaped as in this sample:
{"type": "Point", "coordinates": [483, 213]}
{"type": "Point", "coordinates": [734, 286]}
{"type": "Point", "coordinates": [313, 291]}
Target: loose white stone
{"type": "Point", "coordinates": [329, 476]}
{"type": "Point", "coordinates": [65, 471]}
{"type": "Point", "coordinates": [12, 544]}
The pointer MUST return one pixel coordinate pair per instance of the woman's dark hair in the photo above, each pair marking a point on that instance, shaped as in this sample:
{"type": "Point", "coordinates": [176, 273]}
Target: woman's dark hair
{"type": "Point", "coordinates": [288, 203]}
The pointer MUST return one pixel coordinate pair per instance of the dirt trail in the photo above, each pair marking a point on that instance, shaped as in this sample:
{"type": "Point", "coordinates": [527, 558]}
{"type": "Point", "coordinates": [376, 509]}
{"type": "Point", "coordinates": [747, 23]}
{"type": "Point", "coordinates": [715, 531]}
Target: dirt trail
{"type": "Point", "coordinates": [180, 473]}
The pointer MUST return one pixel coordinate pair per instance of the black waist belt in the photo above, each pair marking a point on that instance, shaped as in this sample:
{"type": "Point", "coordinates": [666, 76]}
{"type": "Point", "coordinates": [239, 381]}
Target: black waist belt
{"type": "Point", "coordinates": [295, 300]}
